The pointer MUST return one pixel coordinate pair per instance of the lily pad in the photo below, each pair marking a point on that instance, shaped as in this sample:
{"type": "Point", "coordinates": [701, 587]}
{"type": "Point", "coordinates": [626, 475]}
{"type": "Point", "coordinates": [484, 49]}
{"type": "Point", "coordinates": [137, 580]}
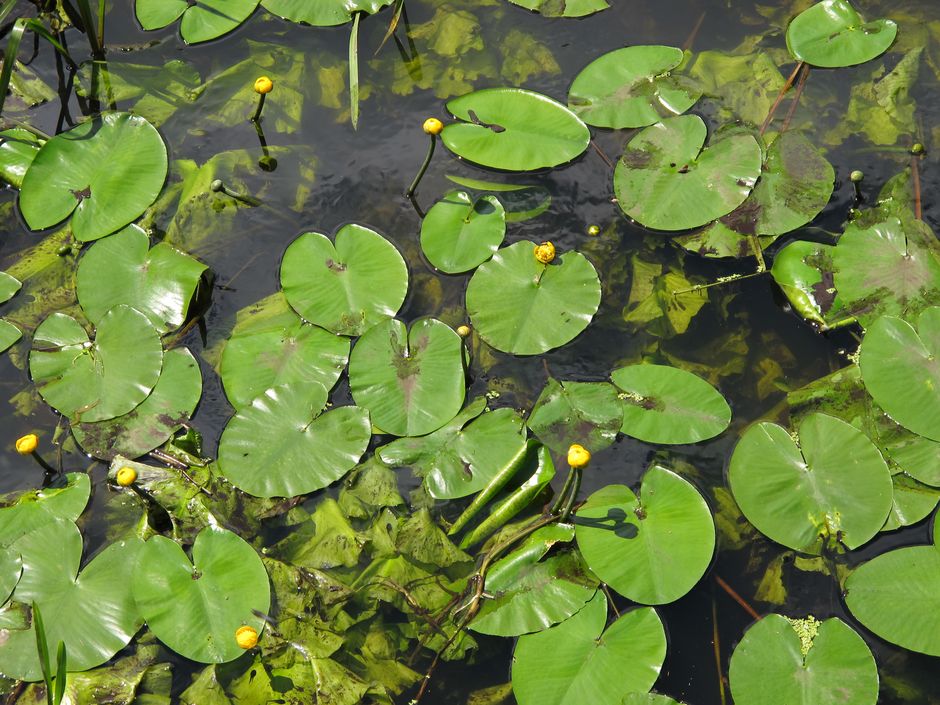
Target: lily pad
{"type": "Point", "coordinates": [9, 285]}
{"type": "Point", "coordinates": [802, 662]}
{"type": "Point", "coordinates": [159, 282]}
{"type": "Point", "coordinates": [9, 334]}
{"type": "Point", "coordinates": [579, 661]}
{"type": "Point", "coordinates": [531, 592]}
{"type": "Point", "coordinates": [563, 8]}
{"type": "Point", "coordinates": [202, 19]}
{"type": "Point", "coordinates": [663, 404]}
{"type": "Point", "coordinates": [653, 548]}
{"type": "Point", "coordinates": [912, 502]}
{"type": "Point", "coordinates": [828, 484]}
{"type": "Point", "coordinates": [322, 13]}
{"type": "Point", "coordinates": [95, 381]}
{"type": "Point", "coordinates": [270, 346]}
{"type": "Point", "coordinates": [346, 288]}
{"type": "Point", "coordinates": [648, 699]}
{"type": "Point", "coordinates": [521, 202]}
{"type": "Point", "coordinates": [632, 87]}
{"type": "Point", "coordinates": [280, 445]}
{"type": "Point", "coordinates": [65, 499]}
{"type": "Point", "coordinates": [521, 306]}
{"type": "Point", "coordinates": [11, 568]}
{"type": "Point", "coordinates": [411, 381]}
{"type": "Point", "coordinates": [196, 607]}
{"type": "Point", "coordinates": [459, 234]}
{"type": "Point", "coordinates": [514, 129]}
{"type": "Point", "coordinates": [832, 34]}
{"type": "Point", "coordinates": [587, 413]}
{"type": "Point", "coordinates": [104, 173]}
{"type": "Point", "coordinates": [18, 149]}
{"type": "Point", "coordinates": [901, 370]}
{"type": "Point", "coordinates": [804, 271]}
{"type": "Point", "coordinates": [155, 420]}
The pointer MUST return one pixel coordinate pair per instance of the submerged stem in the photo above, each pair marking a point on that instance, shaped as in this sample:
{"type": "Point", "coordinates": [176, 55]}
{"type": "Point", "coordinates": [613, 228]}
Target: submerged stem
{"type": "Point", "coordinates": [424, 167]}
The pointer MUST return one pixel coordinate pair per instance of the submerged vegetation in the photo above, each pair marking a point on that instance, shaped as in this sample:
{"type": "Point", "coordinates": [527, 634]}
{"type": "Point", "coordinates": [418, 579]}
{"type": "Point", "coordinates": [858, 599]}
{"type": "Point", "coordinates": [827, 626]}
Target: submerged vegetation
{"type": "Point", "coordinates": [392, 492]}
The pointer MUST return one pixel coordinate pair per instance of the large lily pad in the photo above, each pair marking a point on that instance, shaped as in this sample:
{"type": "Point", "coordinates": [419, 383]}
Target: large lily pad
{"type": "Point", "coordinates": [832, 34]}
{"type": "Point", "coordinates": [202, 19]}
{"type": "Point", "coordinates": [458, 234]}
{"type": "Point", "coordinates": [322, 13]}
{"type": "Point", "coordinates": [411, 381]}
{"type": "Point", "coordinates": [579, 661]}
{"type": "Point", "coordinates": [632, 87]}
{"type": "Point", "coordinates": [565, 8]}
{"type": "Point", "coordinates": [828, 485]}
{"type": "Point", "coordinates": [663, 404]}
{"type": "Point", "coordinates": [95, 381]}
{"type": "Point", "coordinates": [196, 607]}
{"type": "Point", "coordinates": [280, 445]}
{"type": "Point", "coordinates": [514, 129]}
{"type": "Point", "coordinates": [653, 548]}
{"type": "Point", "coordinates": [901, 370]}
{"type": "Point", "coordinates": [65, 499]}
{"type": "Point", "coordinates": [587, 413]}
{"type": "Point", "coordinates": [668, 180]}
{"type": "Point", "coordinates": [346, 288]}
{"type": "Point", "coordinates": [522, 306]}
{"type": "Point", "coordinates": [802, 662]}
{"type": "Point", "coordinates": [104, 173]}
{"type": "Point", "coordinates": [123, 269]}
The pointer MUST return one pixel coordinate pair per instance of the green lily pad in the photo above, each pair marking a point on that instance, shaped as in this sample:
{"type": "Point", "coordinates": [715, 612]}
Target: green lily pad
{"type": "Point", "coordinates": [95, 381]}
{"type": "Point", "coordinates": [563, 8]}
{"type": "Point", "coordinates": [521, 306]}
{"type": "Point", "coordinates": [632, 87]}
{"type": "Point", "coordinates": [104, 173]}
{"type": "Point", "coordinates": [91, 611]}
{"type": "Point", "coordinates": [11, 568]}
{"type": "Point", "coordinates": [667, 180]}
{"type": "Point", "coordinates": [901, 371]}
{"type": "Point", "coordinates": [196, 607]}
{"type": "Point", "coordinates": [514, 129]}
{"type": "Point", "coordinates": [663, 404]}
{"type": "Point", "coordinates": [830, 484]}
{"type": "Point", "coordinates": [9, 285]}
{"type": "Point", "coordinates": [465, 454]}
{"type": "Point", "coordinates": [280, 445]}
{"type": "Point", "coordinates": [346, 288]}
{"type": "Point", "coordinates": [9, 334]}
{"type": "Point", "coordinates": [411, 381]}
{"type": "Point", "coordinates": [159, 282]}
{"type": "Point", "coordinates": [648, 699]}
{"type": "Point", "coordinates": [802, 662]}
{"type": "Point", "coordinates": [18, 149]}
{"type": "Point", "coordinates": [459, 234]}
{"type": "Point", "coordinates": [832, 34]}
{"type": "Point", "coordinates": [912, 502]}
{"type": "Point", "coordinates": [155, 420]}
{"type": "Point", "coordinates": [579, 661]}
{"type": "Point", "coordinates": [804, 271]}
{"type": "Point", "coordinates": [531, 592]}
{"type": "Point", "coordinates": [521, 202]}
{"type": "Point", "coordinates": [587, 413]}
{"type": "Point", "coordinates": [270, 346]}
{"type": "Point", "coordinates": [65, 499]}
{"type": "Point", "coordinates": [653, 548]}
{"type": "Point", "coordinates": [202, 19]}
{"type": "Point", "coordinates": [322, 13]}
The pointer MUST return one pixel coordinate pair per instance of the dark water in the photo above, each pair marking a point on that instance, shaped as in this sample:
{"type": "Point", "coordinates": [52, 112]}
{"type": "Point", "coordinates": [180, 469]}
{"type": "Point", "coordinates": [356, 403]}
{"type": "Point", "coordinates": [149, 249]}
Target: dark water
{"type": "Point", "coordinates": [745, 331]}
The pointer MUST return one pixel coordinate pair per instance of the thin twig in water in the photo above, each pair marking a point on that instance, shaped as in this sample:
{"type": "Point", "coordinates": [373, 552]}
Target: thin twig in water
{"type": "Point", "coordinates": [687, 45]}
{"type": "Point", "coordinates": [915, 179]}
{"type": "Point", "coordinates": [736, 597]}
{"type": "Point", "coordinates": [601, 154]}
{"type": "Point", "coordinates": [796, 98]}
{"type": "Point", "coordinates": [717, 643]}
{"type": "Point", "coordinates": [610, 599]}
{"type": "Point", "coordinates": [783, 91]}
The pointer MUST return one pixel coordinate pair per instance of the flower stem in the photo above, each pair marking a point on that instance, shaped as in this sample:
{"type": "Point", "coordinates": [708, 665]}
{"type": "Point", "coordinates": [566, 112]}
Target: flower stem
{"type": "Point", "coordinates": [424, 167]}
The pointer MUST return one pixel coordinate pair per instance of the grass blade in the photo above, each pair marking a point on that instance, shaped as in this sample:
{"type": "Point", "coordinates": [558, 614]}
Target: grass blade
{"type": "Point", "coordinates": [9, 57]}
{"type": "Point", "coordinates": [5, 9]}
{"type": "Point", "coordinates": [393, 25]}
{"type": "Point", "coordinates": [354, 72]}
{"type": "Point", "coordinates": [43, 649]}
{"type": "Point", "coordinates": [60, 673]}
{"type": "Point", "coordinates": [88, 19]}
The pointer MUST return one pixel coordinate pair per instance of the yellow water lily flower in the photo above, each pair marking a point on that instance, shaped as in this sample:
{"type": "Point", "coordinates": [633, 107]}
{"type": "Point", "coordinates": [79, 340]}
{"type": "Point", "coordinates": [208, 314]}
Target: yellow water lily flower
{"type": "Point", "coordinates": [433, 126]}
{"type": "Point", "coordinates": [247, 637]}
{"type": "Point", "coordinates": [126, 476]}
{"type": "Point", "coordinates": [264, 85]}
{"type": "Point", "coordinates": [578, 456]}
{"type": "Point", "coordinates": [27, 444]}
{"type": "Point", "coordinates": [545, 252]}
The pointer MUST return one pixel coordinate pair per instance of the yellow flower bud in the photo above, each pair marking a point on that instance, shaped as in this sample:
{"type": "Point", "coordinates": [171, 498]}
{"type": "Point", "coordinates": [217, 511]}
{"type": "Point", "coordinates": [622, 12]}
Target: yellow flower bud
{"type": "Point", "coordinates": [463, 331]}
{"type": "Point", "coordinates": [126, 476]}
{"type": "Point", "coordinates": [545, 252]}
{"type": "Point", "coordinates": [578, 456]}
{"type": "Point", "coordinates": [433, 126]}
{"type": "Point", "coordinates": [264, 85]}
{"type": "Point", "coordinates": [247, 637]}
{"type": "Point", "coordinates": [27, 444]}
{"type": "Point", "coordinates": [594, 230]}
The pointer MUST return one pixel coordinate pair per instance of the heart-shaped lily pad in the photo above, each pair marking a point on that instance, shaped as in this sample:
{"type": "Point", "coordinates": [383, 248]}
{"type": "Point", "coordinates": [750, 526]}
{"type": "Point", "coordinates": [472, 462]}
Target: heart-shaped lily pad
{"type": "Point", "coordinates": [411, 381]}
{"type": "Point", "coordinates": [459, 234]}
{"type": "Point", "coordinates": [280, 445]}
{"type": "Point", "coordinates": [832, 34]}
{"type": "Point", "coordinates": [653, 548]}
{"type": "Point", "coordinates": [95, 381]}
{"type": "Point", "coordinates": [587, 413]}
{"type": "Point", "coordinates": [829, 485]}
{"type": "Point", "coordinates": [901, 370]}
{"type": "Point", "coordinates": [123, 269]}
{"type": "Point", "coordinates": [632, 87]}
{"type": "Point", "coordinates": [104, 173]}
{"type": "Point", "coordinates": [196, 607]}
{"type": "Point", "coordinates": [346, 288]}
{"type": "Point", "coordinates": [202, 19]}
{"type": "Point", "coordinates": [514, 129]}
{"type": "Point", "coordinates": [579, 661]}
{"type": "Point", "coordinates": [65, 499]}
{"type": "Point", "coordinates": [566, 8]}
{"type": "Point", "coordinates": [531, 592]}
{"type": "Point", "coordinates": [322, 13]}
{"type": "Point", "coordinates": [668, 180]}
{"type": "Point", "coordinates": [802, 662]}
{"type": "Point", "coordinates": [663, 404]}
{"type": "Point", "coordinates": [519, 305]}
{"type": "Point", "coordinates": [271, 346]}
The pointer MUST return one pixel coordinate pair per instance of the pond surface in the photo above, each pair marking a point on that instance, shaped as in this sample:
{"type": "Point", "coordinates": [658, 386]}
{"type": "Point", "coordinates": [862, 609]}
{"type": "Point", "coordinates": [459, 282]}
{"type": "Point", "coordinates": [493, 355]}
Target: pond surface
{"type": "Point", "coordinates": [745, 338]}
